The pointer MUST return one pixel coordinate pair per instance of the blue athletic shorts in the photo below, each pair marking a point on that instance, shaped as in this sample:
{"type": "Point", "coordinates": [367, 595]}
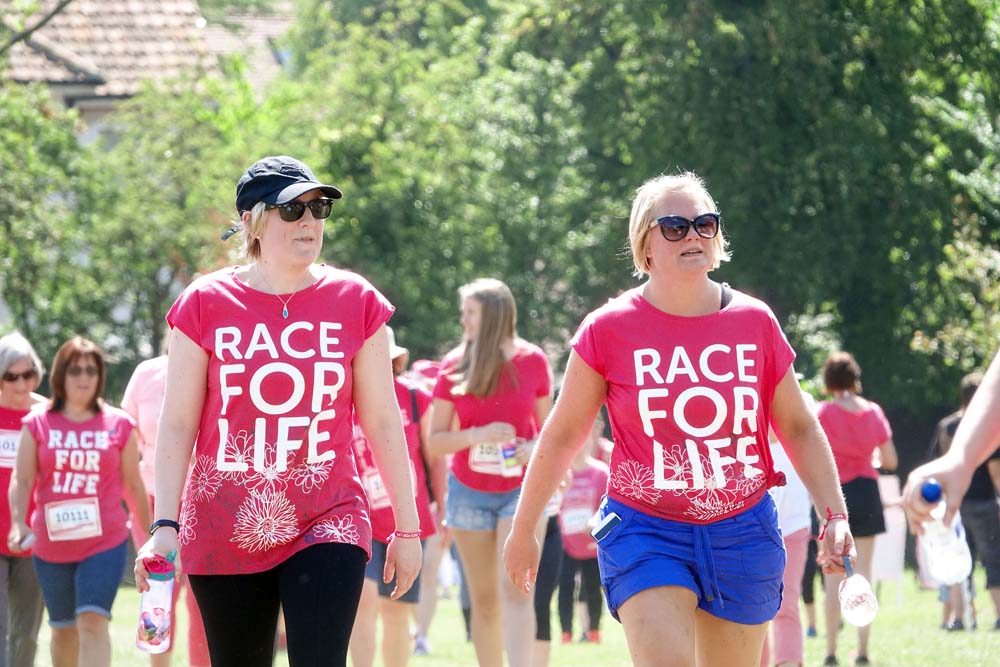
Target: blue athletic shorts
{"type": "Point", "coordinates": [375, 568]}
{"type": "Point", "coordinates": [468, 509]}
{"type": "Point", "coordinates": [91, 584]}
{"type": "Point", "coordinates": [734, 566]}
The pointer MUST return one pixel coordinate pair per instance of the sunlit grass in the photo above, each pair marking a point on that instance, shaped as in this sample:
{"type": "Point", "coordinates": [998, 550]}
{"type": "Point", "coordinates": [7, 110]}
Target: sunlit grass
{"type": "Point", "coordinates": [903, 635]}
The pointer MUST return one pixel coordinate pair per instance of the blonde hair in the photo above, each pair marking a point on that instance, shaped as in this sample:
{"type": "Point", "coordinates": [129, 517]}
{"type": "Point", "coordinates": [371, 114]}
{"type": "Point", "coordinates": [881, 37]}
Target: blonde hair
{"type": "Point", "coordinates": [641, 217]}
{"type": "Point", "coordinates": [251, 231]}
{"type": "Point", "coordinates": [483, 362]}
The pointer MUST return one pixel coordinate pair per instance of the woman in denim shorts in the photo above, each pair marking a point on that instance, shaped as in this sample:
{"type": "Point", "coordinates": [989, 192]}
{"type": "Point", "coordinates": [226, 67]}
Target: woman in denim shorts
{"type": "Point", "coordinates": [492, 394]}
{"type": "Point", "coordinates": [81, 458]}
{"type": "Point", "coordinates": [693, 373]}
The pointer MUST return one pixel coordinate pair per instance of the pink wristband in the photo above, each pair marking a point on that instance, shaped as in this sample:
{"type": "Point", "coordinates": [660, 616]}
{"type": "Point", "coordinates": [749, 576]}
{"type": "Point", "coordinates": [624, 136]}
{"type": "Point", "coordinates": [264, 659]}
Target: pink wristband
{"type": "Point", "coordinates": [402, 534]}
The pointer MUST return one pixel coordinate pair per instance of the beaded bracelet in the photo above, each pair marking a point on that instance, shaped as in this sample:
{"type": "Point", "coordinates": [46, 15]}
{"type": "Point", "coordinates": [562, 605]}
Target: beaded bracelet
{"type": "Point", "coordinates": [830, 516]}
{"type": "Point", "coordinates": [402, 534]}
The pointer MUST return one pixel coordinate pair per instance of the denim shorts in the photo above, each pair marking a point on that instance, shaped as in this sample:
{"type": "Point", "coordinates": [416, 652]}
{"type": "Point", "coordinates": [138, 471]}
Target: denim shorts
{"type": "Point", "coordinates": [375, 568]}
{"type": "Point", "coordinates": [91, 584]}
{"type": "Point", "coordinates": [468, 509]}
{"type": "Point", "coordinates": [734, 566]}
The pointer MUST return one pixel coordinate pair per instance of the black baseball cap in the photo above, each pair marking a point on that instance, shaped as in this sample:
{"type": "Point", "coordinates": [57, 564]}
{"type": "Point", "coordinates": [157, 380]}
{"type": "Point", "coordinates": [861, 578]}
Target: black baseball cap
{"type": "Point", "coordinates": [278, 179]}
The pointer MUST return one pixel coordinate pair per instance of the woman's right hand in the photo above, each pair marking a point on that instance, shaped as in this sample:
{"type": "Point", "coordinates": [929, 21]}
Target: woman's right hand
{"type": "Point", "coordinates": [18, 531]}
{"type": "Point", "coordinates": [495, 433]}
{"type": "Point", "coordinates": [161, 543]}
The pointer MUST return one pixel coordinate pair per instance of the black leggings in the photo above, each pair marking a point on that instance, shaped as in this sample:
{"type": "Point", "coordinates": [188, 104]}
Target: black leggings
{"type": "Point", "coordinates": [548, 577]}
{"type": "Point", "coordinates": [809, 574]}
{"type": "Point", "coordinates": [318, 589]}
{"type": "Point", "coordinates": [590, 590]}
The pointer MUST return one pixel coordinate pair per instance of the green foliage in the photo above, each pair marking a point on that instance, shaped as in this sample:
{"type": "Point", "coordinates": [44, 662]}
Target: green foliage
{"type": "Point", "coordinates": [43, 181]}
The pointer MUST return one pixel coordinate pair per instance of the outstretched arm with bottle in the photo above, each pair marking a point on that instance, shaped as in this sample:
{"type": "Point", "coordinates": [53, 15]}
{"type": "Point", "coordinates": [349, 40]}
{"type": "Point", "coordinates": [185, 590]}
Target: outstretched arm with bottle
{"type": "Point", "coordinates": [977, 437]}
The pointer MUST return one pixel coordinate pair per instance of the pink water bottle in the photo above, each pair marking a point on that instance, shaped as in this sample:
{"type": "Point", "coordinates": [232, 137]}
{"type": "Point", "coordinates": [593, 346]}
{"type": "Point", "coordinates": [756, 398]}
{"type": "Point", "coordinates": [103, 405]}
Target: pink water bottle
{"type": "Point", "coordinates": [156, 606]}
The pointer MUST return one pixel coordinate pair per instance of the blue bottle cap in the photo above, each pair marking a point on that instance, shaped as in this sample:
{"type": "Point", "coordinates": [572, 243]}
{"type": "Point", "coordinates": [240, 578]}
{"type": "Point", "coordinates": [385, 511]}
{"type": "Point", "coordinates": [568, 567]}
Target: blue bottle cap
{"type": "Point", "coordinates": [931, 491]}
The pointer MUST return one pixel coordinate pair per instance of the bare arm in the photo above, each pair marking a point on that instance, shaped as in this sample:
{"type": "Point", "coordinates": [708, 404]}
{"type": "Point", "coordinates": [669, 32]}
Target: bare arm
{"type": "Point", "coordinates": [379, 417]}
{"type": "Point", "coordinates": [889, 458]}
{"type": "Point", "coordinates": [562, 436]}
{"type": "Point", "coordinates": [183, 400]}
{"type": "Point", "coordinates": [977, 437]}
{"type": "Point", "coordinates": [135, 491]}
{"type": "Point", "coordinates": [444, 439]}
{"type": "Point", "coordinates": [19, 491]}
{"type": "Point", "coordinates": [805, 442]}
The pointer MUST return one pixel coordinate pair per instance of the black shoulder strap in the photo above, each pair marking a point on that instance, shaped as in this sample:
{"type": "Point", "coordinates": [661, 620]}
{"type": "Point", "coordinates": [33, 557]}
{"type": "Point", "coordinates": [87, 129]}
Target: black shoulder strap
{"type": "Point", "coordinates": [414, 408]}
{"type": "Point", "coordinates": [727, 295]}
{"type": "Point", "coordinates": [415, 418]}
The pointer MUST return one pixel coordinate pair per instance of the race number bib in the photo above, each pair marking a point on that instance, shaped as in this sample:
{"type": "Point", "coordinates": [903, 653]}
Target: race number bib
{"type": "Point", "coordinates": [493, 459]}
{"type": "Point", "coordinates": [378, 497]}
{"type": "Point", "coordinates": [576, 521]}
{"type": "Point", "coordinates": [8, 448]}
{"type": "Point", "coordinates": [485, 458]}
{"type": "Point", "coordinates": [75, 519]}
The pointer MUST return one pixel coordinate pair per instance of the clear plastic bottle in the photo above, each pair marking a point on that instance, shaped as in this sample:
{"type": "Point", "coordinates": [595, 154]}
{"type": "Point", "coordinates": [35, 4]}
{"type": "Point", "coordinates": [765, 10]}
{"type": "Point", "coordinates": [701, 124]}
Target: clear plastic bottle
{"type": "Point", "coordinates": [948, 559]}
{"type": "Point", "coordinates": [156, 606]}
{"type": "Point", "coordinates": [858, 604]}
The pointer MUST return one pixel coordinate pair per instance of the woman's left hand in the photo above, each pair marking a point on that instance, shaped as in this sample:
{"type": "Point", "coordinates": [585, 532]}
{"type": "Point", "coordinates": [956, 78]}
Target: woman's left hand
{"type": "Point", "coordinates": [521, 554]}
{"type": "Point", "coordinates": [402, 562]}
{"type": "Point", "coordinates": [837, 542]}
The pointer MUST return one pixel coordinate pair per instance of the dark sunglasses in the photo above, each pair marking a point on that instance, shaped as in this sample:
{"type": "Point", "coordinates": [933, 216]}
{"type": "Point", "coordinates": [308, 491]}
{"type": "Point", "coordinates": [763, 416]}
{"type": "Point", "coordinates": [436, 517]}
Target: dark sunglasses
{"type": "Point", "coordinates": [675, 227]}
{"type": "Point", "coordinates": [75, 371]}
{"type": "Point", "coordinates": [27, 376]}
{"type": "Point", "coordinates": [294, 210]}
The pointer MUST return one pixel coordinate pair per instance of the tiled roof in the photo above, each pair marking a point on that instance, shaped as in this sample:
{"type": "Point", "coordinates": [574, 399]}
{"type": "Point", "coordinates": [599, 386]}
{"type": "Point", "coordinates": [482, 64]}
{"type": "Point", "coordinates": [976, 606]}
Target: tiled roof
{"type": "Point", "coordinates": [114, 44]}
{"type": "Point", "coordinates": [256, 38]}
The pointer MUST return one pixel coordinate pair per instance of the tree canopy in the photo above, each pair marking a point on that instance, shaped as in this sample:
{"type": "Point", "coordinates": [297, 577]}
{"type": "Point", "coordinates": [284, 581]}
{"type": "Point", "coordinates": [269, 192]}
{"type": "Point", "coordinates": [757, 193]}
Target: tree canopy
{"type": "Point", "coordinates": [852, 147]}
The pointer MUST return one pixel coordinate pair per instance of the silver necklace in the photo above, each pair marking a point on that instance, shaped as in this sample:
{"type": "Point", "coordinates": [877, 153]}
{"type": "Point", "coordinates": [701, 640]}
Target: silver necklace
{"type": "Point", "coordinates": [284, 302]}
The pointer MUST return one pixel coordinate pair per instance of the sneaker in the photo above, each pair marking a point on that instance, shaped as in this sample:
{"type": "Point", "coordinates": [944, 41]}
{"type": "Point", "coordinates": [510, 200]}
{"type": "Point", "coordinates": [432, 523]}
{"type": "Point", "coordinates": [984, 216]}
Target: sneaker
{"type": "Point", "coordinates": [421, 646]}
{"type": "Point", "coordinates": [567, 638]}
{"type": "Point", "coordinates": [594, 636]}
{"type": "Point", "coordinates": [830, 661]}
{"type": "Point", "coordinates": [811, 632]}
{"type": "Point", "coordinates": [862, 660]}
{"type": "Point", "coordinates": [996, 626]}
{"type": "Point", "coordinates": [956, 626]}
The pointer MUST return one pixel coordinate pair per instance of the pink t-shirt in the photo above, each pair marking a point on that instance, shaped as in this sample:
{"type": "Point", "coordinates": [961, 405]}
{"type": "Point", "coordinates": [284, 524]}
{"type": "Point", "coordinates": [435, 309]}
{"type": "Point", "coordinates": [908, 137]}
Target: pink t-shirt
{"type": "Point", "coordinates": [579, 503]}
{"type": "Point", "coordinates": [143, 399]}
{"type": "Point", "coordinates": [853, 437]}
{"type": "Point", "coordinates": [484, 467]}
{"type": "Point", "coordinates": [273, 469]}
{"type": "Point", "coordinates": [689, 400]}
{"type": "Point", "coordinates": [78, 490]}
{"type": "Point", "coordinates": [383, 521]}
{"type": "Point", "coordinates": [10, 435]}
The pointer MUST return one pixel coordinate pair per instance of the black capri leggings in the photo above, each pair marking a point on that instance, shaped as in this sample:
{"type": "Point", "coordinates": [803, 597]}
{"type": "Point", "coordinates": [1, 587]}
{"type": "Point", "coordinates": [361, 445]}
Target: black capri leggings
{"type": "Point", "coordinates": [548, 577]}
{"type": "Point", "coordinates": [590, 591]}
{"type": "Point", "coordinates": [318, 589]}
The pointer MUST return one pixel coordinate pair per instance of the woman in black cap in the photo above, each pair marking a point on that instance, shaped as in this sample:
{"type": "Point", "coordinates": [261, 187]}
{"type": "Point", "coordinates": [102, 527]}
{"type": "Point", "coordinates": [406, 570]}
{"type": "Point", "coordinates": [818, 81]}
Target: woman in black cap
{"type": "Point", "coordinates": [269, 363]}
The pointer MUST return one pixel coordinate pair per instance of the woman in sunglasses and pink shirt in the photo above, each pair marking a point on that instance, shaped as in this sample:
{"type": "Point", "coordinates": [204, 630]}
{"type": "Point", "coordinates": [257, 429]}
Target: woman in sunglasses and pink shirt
{"type": "Point", "coordinates": [269, 363]}
{"type": "Point", "coordinates": [693, 374]}
{"type": "Point", "coordinates": [77, 458]}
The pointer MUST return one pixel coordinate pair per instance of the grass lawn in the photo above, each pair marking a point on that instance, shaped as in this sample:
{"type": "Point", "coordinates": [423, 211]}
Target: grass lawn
{"type": "Point", "coordinates": [903, 635]}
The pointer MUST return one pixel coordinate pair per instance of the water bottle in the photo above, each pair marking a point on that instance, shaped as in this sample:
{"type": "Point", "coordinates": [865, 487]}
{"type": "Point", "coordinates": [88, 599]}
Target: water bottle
{"type": "Point", "coordinates": [156, 606]}
{"type": "Point", "coordinates": [948, 559]}
{"type": "Point", "coordinates": [858, 604]}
